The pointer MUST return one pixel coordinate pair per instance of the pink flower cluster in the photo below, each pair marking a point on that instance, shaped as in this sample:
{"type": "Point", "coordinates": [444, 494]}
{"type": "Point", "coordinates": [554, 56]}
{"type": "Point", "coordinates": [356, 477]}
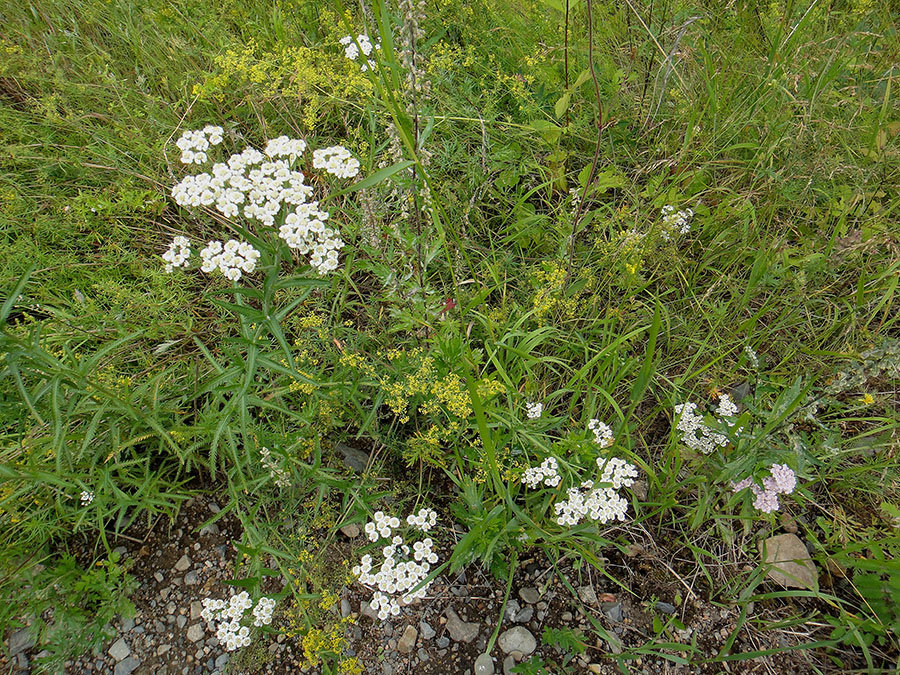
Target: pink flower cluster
{"type": "Point", "coordinates": [781, 481]}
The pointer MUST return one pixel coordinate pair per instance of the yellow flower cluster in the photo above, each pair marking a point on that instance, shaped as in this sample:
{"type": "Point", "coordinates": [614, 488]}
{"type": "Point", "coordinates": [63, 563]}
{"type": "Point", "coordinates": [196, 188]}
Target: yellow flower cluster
{"type": "Point", "coordinates": [552, 295]}
{"type": "Point", "coordinates": [314, 77]}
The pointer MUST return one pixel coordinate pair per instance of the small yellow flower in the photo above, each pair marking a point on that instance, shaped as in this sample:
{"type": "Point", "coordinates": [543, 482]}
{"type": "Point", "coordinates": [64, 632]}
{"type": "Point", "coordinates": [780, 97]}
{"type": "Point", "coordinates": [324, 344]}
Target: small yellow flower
{"type": "Point", "coordinates": [867, 399]}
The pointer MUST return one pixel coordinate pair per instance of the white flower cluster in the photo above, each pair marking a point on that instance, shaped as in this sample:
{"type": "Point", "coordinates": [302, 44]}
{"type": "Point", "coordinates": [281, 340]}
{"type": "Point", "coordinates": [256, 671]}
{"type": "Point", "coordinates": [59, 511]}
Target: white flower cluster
{"type": "Point", "coordinates": [603, 435]}
{"type": "Point", "coordinates": [547, 472]}
{"type": "Point", "coordinates": [304, 230]}
{"type": "Point", "coordinates": [283, 146]}
{"type": "Point", "coordinates": [260, 185]}
{"type": "Point", "coordinates": [229, 615]}
{"type": "Point", "coordinates": [404, 567]}
{"type": "Point", "coordinates": [337, 161]}
{"type": "Point", "coordinates": [232, 258]}
{"type": "Point", "coordinates": [194, 144]}
{"type": "Point", "coordinates": [275, 470]}
{"type": "Point", "coordinates": [781, 481]}
{"type": "Point", "coordinates": [86, 497]}
{"type": "Point", "coordinates": [616, 471]}
{"type": "Point", "coordinates": [752, 358]}
{"type": "Point", "coordinates": [601, 504]}
{"type": "Point", "coordinates": [351, 51]}
{"type": "Point", "coordinates": [726, 408]}
{"type": "Point", "coordinates": [694, 432]}
{"type": "Point", "coordinates": [675, 222]}
{"type": "Point", "coordinates": [424, 520]}
{"type": "Point", "coordinates": [178, 254]}
{"type": "Point", "coordinates": [534, 410]}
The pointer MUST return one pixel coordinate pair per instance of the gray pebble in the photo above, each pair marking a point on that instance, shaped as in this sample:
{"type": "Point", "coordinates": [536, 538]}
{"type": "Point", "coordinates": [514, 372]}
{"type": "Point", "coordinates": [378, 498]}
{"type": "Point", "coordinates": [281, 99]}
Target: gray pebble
{"type": "Point", "coordinates": [519, 639]}
{"type": "Point", "coordinates": [191, 578]}
{"type": "Point", "coordinates": [422, 654]}
{"type": "Point", "coordinates": [183, 563]}
{"type": "Point", "coordinates": [484, 665]}
{"type": "Point", "coordinates": [613, 611]}
{"type": "Point", "coordinates": [529, 595]}
{"type": "Point", "coordinates": [345, 608]}
{"type": "Point", "coordinates": [119, 650]}
{"type": "Point", "coordinates": [443, 642]}
{"type": "Point", "coordinates": [665, 607]}
{"type": "Point", "coordinates": [524, 615]}
{"type": "Point", "coordinates": [127, 666]}
{"type": "Point", "coordinates": [181, 620]}
{"type": "Point", "coordinates": [426, 629]}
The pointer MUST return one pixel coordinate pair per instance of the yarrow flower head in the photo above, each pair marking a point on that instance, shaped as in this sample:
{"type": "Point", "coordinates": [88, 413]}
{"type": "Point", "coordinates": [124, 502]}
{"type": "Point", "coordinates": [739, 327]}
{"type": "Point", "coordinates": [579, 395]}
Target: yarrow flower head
{"type": "Point", "coordinates": [264, 186]}
{"type": "Point", "coordinates": [534, 410]}
{"type": "Point", "coordinates": [337, 161]}
{"type": "Point", "coordinates": [194, 144]}
{"type": "Point", "coordinates": [351, 50]}
{"type": "Point", "coordinates": [781, 481]}
{"type": "Point", "coordinates": [404, 566]}
{"type": "Point", "coordinates": [696, 434]}
{"type": "Point", "coordinates": [230, 632]}
{"type": "Point", "coordinates": [86, 497]}
{"type": "Point", "coordinates": [276, 471]}
{"type": "Point", "coordinates": [547, 472]}
{"type": "Point", "coordinates": [178, 254]}
{"type": "Point", "coordinates": [603, 435]}
{"type": "Point", "coordinates": [232, 258]}
{"type": "Point", "coordinates": [675, 222]}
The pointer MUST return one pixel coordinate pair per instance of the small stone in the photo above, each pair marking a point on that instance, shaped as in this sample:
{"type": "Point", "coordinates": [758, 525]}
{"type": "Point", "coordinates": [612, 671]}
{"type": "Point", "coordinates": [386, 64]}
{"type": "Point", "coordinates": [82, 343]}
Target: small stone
{"type": "Point", "coordinates": [212, 528]}
{"type": "Point", "coordinates": [461, 631]}
{"type": "Point", "coordinates": [567, 616]}
{"type": "Point", "coordinates": [196, 609]}
{"type": "Point", "coordinates": [191, 578]}
{"type": "Point", "coordinates": [613, 611]}
{"type": "Point", "coordinates": [443, 642]}
{"type": "Point", "coordinates": [119, 650]}
{"type": "Point", "coordinates": [159, 577]}
{"type": "Point", "coordinates": [426, 629]}
{"type": "Point", "coordinates": [127, 666]}
{"type": "Point", "coordinates": [640, 490]}
{"type": "Point", "coordinates": [421, 653]}
{"type": "Point", "coordinates": [529, 595]}
{"type": "Point", "coordinates": [345, 608]}
{"type": "Point", "coordinates": [195, 632]}
{"type": "Point", "coordinates": [214, 507]}
{"type": "Point", "coordinates": [354, 459]}
{"type": "Point", "coordinates": [512, 608]}
{"type": "Point", "coordinates": [517, 639]}
{"type": "Point", "coordinates": [508, 664]}
{"type": "Point", "coordinates": [221, 660]}
{"type": "Point", "coordinates": [162, 649]}
{"type": "Point", "coordinates": [595, 668]}
{"type": "Point", "coordinates": [407, 640]}
{"type": "Point", "coordinates": [366, 610]}
{"type": "Point", "coordinates": [587, 595]}
{"type": "Point", "coordinates": [19, 641]}
{"type": "Point", "coordinates": [484, 665]}
{"type": "Point", "coordinates": [120, 551]}
{"type": "Point", "coordinates": [181, 620]}
{"type": "Point", "coordinates": [183, 563]}
{"type": "Point", "coordinates": [788, 562]}
{"type": "Point", "coordinates": [665, 607]}
{"type": "Point", "coordinates": [351, 530]}
{"type": "Point", "coordinates": [524, 615]}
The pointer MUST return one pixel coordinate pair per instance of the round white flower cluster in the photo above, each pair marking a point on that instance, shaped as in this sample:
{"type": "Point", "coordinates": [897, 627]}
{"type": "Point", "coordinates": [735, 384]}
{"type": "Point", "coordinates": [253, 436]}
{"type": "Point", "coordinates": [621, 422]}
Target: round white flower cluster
{"type": "Point", "coordinates": [726, 408]}
{"type": "Point", "coordinates": [250, 179]}
{"type": "Point", "coordinates": [616, 471]}
{"type": "Point", "coordinates": [86, 497]}
{"type": "Point", "coordinates": [603, 435]}
{"type": "Point", "coordinates": [547, 472]}
{"type": "Point", "coordinates": [675, 222]}
{"type": "Point", "coordinates": [304, 230]}
{"type": "Point", "coordinates": [534, 410]}
{"type": "Point", "coordinates": [404, 567]}
{"type": "Point", "coordinates": [382, 526]}
{"type": "Point", "coordinates": [229, 631]}
{"type": "Point", "coordinates": [781, 481]}
{"type": "Point", "coordinates": [283, 146]}
{"type": "Point", "coordinates": [694, 433]}
{"type": "Point", "coordinates": [178, 254]}
{"type": "Point", "coordinates": [194, 144]}
{"type": "Point", "coordinates": [351, 50]}
{"type": "Point", "coordinates": [424, 520]}
{"type": "Point", "coordinates": [232, 258]}
{"type": "Point", "coordinates": [600, 504]}
{"type": "Point", "coordinates": [337, 161]}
